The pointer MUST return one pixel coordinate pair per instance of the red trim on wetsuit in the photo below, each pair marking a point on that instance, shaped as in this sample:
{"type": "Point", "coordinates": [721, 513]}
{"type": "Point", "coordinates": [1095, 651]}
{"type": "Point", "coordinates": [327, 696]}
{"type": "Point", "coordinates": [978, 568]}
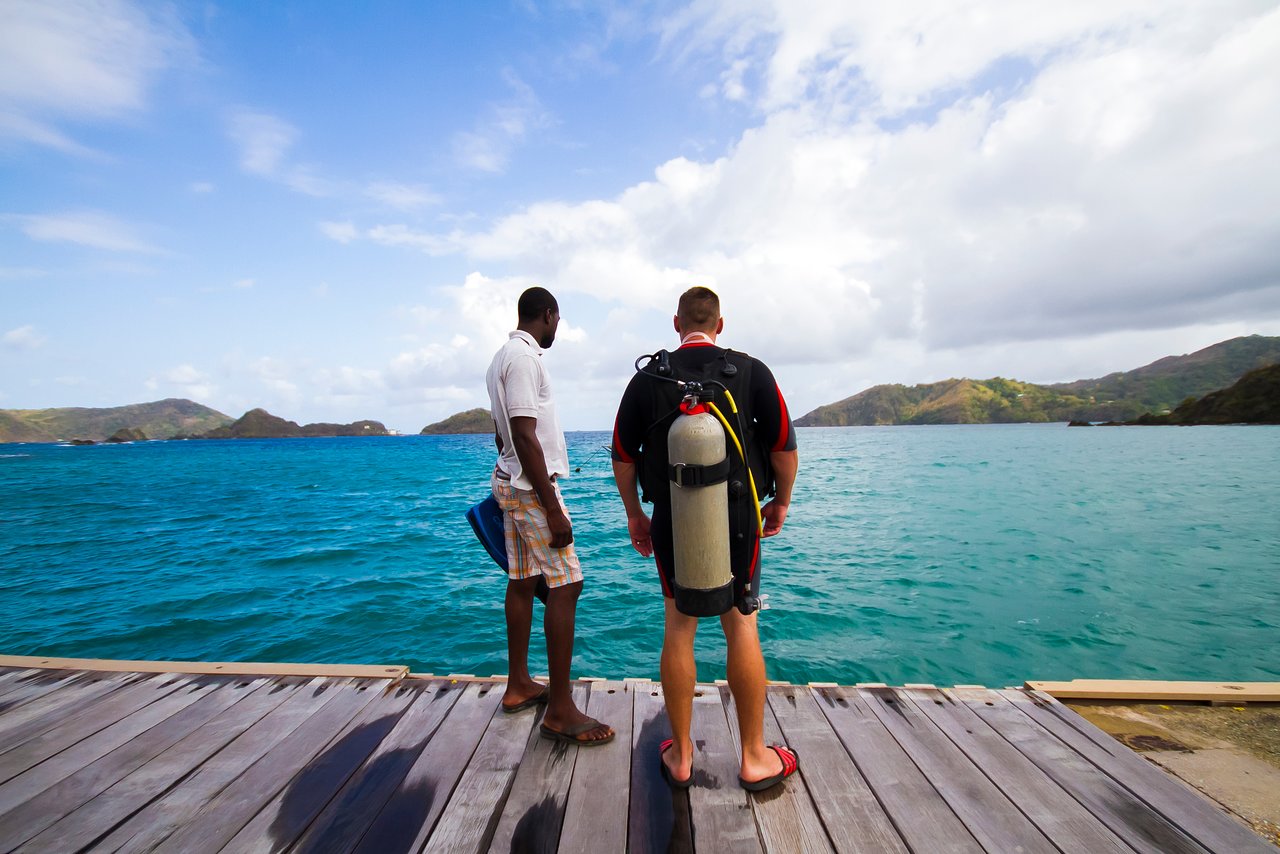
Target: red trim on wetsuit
{"type": "Point", "coordinates": [697, 344]}
{"type": "Point", "coordinates": [618, 450]}
{"type": "Point", "coordinates": [784, 430]}
{"type": "Point", "coordinates": [662, 577]}
{"type": "Point", "coordinates": [755, 561]}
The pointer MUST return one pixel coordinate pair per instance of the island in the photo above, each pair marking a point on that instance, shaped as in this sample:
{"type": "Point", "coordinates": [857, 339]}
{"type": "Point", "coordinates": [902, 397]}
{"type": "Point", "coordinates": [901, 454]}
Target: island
{"type": "Point", "coordinates": [476, 420]}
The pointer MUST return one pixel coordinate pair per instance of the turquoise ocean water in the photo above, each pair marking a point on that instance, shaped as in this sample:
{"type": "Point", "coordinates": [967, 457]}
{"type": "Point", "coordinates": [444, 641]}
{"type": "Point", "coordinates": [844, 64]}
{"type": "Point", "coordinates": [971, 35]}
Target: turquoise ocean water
{"type": "Point", "coordinates": [956, 554]}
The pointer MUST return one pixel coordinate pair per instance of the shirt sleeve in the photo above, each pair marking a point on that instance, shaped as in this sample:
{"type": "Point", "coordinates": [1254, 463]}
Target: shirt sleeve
{"type": "Point", "coordinates": [628, 425]}
{"type": "Point", "coordinates": [773, 422]}
{"type": "Point", "coordinates": [521, 382]}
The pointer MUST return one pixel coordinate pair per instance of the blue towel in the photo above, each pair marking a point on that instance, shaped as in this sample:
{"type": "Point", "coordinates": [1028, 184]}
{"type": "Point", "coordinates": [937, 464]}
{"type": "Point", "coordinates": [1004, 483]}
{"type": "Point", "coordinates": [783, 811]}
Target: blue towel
{"type": "Point", "coordinates": [486, 520]}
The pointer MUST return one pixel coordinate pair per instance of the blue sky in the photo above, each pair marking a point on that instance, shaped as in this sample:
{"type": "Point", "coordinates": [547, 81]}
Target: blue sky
{"type": "Point", "coordinates": [328, 210]}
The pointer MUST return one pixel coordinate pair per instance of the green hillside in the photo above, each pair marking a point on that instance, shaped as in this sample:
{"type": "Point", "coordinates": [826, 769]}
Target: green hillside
{"type": "Point", "coordinates": [260, 424]}
{"type": "Point", "coordinates": [472, 421]}
{"type": "Point", "coordinates": [159, 420]}
{"type": "Point", "coordinates": [1254, 399]}
{"type": "Point", "coordinates": [1157, 387]}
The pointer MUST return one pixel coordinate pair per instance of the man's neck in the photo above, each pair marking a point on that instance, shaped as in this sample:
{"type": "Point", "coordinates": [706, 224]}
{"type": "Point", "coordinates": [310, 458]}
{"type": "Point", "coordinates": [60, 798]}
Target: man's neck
{"type": "Point", "coordinates": [698, 337]}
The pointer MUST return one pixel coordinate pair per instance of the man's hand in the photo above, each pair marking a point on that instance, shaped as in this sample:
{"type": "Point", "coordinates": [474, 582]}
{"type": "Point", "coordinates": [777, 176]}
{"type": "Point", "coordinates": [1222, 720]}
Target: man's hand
{"type": "Point", "coordinates": [638, 527]}
{"type": "Point", "coordinates": [561, 528]}
{"type": "Point", "coordinates": [775, 514]}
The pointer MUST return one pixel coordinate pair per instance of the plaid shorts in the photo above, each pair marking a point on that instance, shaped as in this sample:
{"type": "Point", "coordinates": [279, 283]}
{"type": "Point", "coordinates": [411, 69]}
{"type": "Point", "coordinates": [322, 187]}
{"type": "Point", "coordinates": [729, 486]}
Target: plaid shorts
{"type": "Point", "coordinates": [529, 551]}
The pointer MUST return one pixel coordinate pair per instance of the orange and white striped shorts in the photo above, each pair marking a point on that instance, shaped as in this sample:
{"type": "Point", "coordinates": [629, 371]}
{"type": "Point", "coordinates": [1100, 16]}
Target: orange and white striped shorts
{"type": "Point", "coordinates": [528, 536]}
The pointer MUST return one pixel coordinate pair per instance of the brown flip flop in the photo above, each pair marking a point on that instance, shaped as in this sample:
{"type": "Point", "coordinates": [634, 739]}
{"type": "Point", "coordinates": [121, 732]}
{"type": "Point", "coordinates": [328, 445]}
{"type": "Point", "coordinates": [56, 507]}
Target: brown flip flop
{"type": "Point", "coordinates": [571, 735]}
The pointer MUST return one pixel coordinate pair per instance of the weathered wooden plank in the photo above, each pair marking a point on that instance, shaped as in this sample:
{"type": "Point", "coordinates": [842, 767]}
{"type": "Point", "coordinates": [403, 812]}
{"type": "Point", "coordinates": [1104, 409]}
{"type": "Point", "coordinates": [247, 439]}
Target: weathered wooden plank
{"type": "Point", "coordinates": [279, 824]}
{"type": "Point", "coordinates": [472, 813]}
{"type": "Point", "coordinates": [97, 817]}
{"type": "Point", "coordinates": [595, 815]}
{"type": "Point", "coordinates": [721, 809]}
{"type": "Point", "coordinates": [852, 816]}
{"type": "Point", "coordinates": [1179, 804]}
{"type": "Point", "coordinates": [1069, 825]}
{"type": "Point", "coordinates": [180, 805]}
{"type": "Point", "coordinates": [415, 807]}
{"type": "Point", "coordinates": [40, 684]}
{"type": "Point", "coordinates": [35, 779]}
{"type": "Point", "coordinates": [219, 820]}
{"type": "Point", "coordinates": [1140, 827]}
{"type": "Point", "coordinates": [1149, 691]}
{"type": "Point", "coordinates": [659, 818]}
{"type": "Point", "coordinates": [91, 718]}
{"type": "Point", "coordinates": [82, 785]}
{"type": "Point", "coordinates": [785, 816]}
{"type": "Point", "coordinates": [922, 817]}
{"type": "Point", "coordinates": [31, 719]}
{"type": "Point", "coordinates": [992, 819]}
{"type": "Point", "coordinates": [350, 813]}
{"type": "Point", "coordinates": [534, 810]}
{"type": "Point", "coordinates": [9, 674]}
{"type": "Point", "coordinates": [211, 668]}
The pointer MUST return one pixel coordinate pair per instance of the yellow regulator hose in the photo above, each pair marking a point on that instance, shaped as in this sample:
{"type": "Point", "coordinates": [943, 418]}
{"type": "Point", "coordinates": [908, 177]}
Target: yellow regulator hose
{"type": "Point", "coordinates": [755, 497]}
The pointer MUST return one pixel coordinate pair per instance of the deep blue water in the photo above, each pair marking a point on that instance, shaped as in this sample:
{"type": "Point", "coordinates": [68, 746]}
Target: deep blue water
{"type": "Point", "coordinates": [959, 554]}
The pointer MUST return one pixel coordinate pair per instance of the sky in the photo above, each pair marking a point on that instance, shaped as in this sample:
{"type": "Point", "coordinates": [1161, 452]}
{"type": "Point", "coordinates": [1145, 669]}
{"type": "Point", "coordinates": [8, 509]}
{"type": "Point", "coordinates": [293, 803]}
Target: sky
{"type": "Point", "coordinates": [328, 210]}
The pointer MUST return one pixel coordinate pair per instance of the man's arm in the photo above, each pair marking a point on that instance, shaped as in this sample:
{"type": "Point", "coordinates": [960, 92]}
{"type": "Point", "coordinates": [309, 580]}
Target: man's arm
{"type": "Point", "coordinates": [524, 439]}
{"type": "Point", "coordinates": [497, 437]}
{"type": "Point", "coordinates": [785, 465]}
{"type": "Point", "coordinates": [624, 475]}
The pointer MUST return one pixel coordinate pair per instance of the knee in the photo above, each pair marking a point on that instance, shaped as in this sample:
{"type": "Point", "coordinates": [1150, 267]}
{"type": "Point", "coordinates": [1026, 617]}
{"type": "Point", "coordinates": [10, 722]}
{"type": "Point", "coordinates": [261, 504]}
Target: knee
{"type": "Point", "coordinates": [522, 589]}
{"type": "Point", "coordinates": [566, 593]}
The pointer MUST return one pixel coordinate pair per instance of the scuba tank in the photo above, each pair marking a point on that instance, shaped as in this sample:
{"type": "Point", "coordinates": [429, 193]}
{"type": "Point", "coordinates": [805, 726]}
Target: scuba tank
{"type": "Point", "coordinates": [699, 471]}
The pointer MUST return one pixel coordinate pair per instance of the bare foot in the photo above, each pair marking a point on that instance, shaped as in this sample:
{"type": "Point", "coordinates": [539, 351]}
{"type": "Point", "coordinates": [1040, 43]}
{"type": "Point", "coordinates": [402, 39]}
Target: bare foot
{"type": "Point", "coordinates": [519, 696]}
{"type": "Point", "coordinates": [560, 721]}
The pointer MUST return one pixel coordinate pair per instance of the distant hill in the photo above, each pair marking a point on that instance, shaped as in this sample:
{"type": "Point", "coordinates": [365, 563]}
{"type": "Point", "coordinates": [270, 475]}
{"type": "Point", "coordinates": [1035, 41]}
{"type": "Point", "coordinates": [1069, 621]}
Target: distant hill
{"type": "Point", "coordinates": [1167, 382]}
{"type": "Point", "coordinates": [161, 420]}
{"type": "Point", "coordinates": [1253, 399]}
{"type": "Point", "coordinates": [1120, 396]}
{"type": "Point", "coordinates": [472, 421]}
{"type": "Point", "coordinates": [260, 424]}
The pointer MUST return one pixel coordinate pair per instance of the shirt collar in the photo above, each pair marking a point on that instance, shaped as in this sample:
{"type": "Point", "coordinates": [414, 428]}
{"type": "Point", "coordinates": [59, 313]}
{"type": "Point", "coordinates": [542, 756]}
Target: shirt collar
{"type": "Point", "coordinates": [527, 338]}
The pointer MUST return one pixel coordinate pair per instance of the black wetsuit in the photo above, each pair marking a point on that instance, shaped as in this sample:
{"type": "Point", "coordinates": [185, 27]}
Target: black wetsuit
{"type": "Point", "coordinates": [648, 407]}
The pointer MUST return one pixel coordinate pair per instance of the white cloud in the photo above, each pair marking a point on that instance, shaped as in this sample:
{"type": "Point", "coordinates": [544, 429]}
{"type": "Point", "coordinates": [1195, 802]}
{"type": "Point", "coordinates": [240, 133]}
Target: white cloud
{"type": "Point", "coordinates": [405, 197]}
{"type": "Point", "coordinates": [185, 381]}
{"type": "Point", "coordinates": [202, 187]}
{"type": "Point", "coordinates": [505, 126]}
{"type": "Point", "coordinates": [244, 284]}
{"type": "Point", "coordinates": [86, 228]}
{"type": "Point", "coordinates": [265, 142]}
{"type": "Point", "coordinates": [342, 232]}
{"type": "Point", "coordinates": [81, 59]}
{"type": "Point", "coordinates": [23, 338]}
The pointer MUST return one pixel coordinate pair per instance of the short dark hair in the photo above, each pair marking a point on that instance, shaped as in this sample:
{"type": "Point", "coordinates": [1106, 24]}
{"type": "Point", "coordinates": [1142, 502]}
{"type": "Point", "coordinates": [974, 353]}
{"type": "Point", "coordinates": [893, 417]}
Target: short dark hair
{"type": "Point", "coordinates": [534, 302]}
{"type": "Point", "coordinates": [699, 308]}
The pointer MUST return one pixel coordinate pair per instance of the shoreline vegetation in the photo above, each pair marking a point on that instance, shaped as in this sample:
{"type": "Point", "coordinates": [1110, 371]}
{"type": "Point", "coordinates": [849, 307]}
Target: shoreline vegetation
{"type": "Point", "coordinates": [1232, 382]}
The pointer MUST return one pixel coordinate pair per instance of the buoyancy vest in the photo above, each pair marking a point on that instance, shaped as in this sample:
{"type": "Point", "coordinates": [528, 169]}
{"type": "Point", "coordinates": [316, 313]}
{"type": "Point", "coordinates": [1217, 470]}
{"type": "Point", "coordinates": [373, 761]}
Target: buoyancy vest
{"type": "Point", "coordinates": [732, 370]}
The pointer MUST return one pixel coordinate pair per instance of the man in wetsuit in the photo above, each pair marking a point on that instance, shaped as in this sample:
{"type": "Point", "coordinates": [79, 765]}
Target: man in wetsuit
{"type": "Point", "coordinates": [539, 536]}
{"type": "Point", "coordinates": [645, 414]}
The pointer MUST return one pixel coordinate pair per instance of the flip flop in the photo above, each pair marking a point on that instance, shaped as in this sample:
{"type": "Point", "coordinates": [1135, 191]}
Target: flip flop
{"type": "Point", "coordinates": [790, 764]}
{"type": "Point", "coordinates": [536, 700]}
{"type": "Point", "coordinates": [570, 735]}
{"type": "Point", "coordinates": [666, 772]}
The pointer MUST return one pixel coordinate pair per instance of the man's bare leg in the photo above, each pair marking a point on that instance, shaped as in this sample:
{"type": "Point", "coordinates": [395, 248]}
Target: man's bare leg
{"type": "Point", "coordinates": [679, 680]}
{"type": "Point", "coordinates": [747, 683]}
{"type": "Point", "coordinates": [558, 624]}
{"type": "Point", "coordinates": [519, 611]}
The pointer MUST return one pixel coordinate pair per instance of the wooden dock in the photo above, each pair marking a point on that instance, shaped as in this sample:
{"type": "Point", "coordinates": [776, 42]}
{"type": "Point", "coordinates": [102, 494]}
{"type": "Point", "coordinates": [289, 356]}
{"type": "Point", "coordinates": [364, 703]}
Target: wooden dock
{"type": "Point", "coordinates": [373, 761]}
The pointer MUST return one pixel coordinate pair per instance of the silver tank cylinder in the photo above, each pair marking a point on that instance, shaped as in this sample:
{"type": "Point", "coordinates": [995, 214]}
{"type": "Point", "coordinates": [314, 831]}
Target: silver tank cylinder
{"type": "Point", "coordinates": [700, 520]}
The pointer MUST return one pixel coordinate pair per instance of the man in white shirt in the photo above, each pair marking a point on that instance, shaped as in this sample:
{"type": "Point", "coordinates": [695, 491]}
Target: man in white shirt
{"type": "Point", "coordinates": [539, 535]}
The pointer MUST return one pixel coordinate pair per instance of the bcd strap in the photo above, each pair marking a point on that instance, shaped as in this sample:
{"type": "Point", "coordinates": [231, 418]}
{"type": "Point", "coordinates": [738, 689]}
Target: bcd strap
{"type": "Point", "coordinates": [694, 475]}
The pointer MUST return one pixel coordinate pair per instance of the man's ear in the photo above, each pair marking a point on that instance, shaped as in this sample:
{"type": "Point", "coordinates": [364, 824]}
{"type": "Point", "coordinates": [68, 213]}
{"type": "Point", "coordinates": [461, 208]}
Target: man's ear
{"type": "Point", "coordinates": [675, 323]}
{"type": "Point", "coordinates": [720, 325]}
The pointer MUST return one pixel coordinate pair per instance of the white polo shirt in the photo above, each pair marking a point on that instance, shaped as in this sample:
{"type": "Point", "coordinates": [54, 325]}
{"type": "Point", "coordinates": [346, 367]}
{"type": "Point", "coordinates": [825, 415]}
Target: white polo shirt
{"type": "Point", "coordinates": [519, 385]}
